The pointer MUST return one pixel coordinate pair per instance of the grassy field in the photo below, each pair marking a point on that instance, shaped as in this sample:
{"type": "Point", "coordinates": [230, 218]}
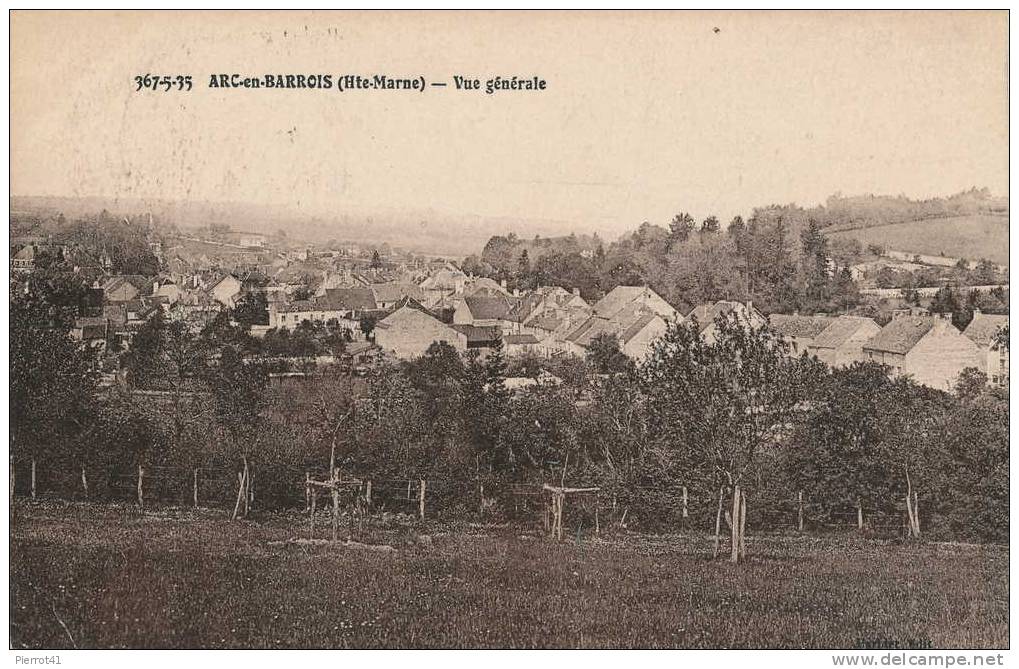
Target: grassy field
{"type": "Point", "coordinates": [972, 237]}
{"type": "Point", "coordinates": [110, 577]}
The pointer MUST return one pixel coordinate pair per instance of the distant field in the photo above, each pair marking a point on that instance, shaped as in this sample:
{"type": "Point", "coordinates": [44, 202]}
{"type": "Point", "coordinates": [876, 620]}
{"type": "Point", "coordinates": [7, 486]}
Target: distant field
{"type": "Point", "coordinates": [110, 577]}
{"type": "Point", "coordinates": [971, 237]}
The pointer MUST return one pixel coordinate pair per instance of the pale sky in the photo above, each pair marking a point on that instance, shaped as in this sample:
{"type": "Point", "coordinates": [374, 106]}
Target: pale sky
{"type": "Point", "coordinates": [645, 114]}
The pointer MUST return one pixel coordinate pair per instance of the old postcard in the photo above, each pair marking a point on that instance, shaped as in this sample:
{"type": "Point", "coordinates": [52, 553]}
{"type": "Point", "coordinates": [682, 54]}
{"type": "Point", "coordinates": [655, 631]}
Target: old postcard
{"type": "Point", "coordinates": [504, 330]}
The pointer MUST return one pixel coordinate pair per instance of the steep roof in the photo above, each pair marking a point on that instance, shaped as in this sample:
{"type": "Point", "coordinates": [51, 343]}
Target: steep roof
{"type": "Point", "coordinates": [621, 296]}
{"type": "Point", "coordinates": [444, 279]}
{"type": "Point", "coordinates": [626, 324]}
{"type": "Point", "coordinates": [520, 339]}
{"type": "Point", "coordinates": [702, 313]}
{"type": "Point", "coordinates": [524, 308]}
{"type": "Point", "coordinates": [411, 303]}
{"type": "Point", "coordinates": [550, 323]}
{"type": "Point", "coordinates": [140, 282]}
{"type": "Point", "coordinates": [984, 327]}
{"type": "Point", "coordinates": [705, 314]}
{"type": "Point", "coordinates": [840, 330]}
{"type": "Point", "coordinates": [488, 307]}
{"type": "Point", "coordinates": [349, 299]}
{"type": "Point", "coordinates": [901, 334]}
{"type": "Point", "coordinates": [799, 326]}
{"type": "Point", "coordinates": [486, 285]}
{"type": "Point", "coordinates": [477, 333]}
{"type": "Point", "coordinates": [406, 317]}
{"type": "Point", "coordinates": [394, 291]}
{"type": "Point", "coordinates": [92, 327]}
{"type": "Point", "coordinates": [637, 325]}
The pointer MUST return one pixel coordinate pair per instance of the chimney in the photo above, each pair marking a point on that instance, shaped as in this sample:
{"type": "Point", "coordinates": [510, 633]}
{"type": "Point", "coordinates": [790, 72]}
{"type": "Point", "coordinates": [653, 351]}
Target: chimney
{"type": "Point", "coordinates": [576, 292]}
{"type": "Point", "coordinates": [503, 284]}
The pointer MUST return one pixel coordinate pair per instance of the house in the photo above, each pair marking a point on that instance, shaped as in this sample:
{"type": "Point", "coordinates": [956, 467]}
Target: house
{"type": "Point", "coordinates": [169, 289]}
{"type": "Point", "coordinates": [928, 348]}
{"type": "Point", "coordinates": [407, 333]}
{"type": "Point", "coordinates": [622, 297]}
{"type": "Point", "coordinates": [290, 315]}
{"type": "Point", "coordinates": [353, 302]}
{"type": "Point", "coordinates": [139, 311]}
{"type": "Point", "coordinates": [94, 331]}
{"type": "Point", "coordinates": [251, 239]}
{"type": "Point", "coordinates": [521, 344]}
{"type": "Point", "coordinates": [547, 302]}
{"type": "Point", "coordinates": [706, 315]}
{"type": "Point", "coordinates": [634, 327]}
{"type": "Point", "coordinates": [359, 352]}
{"type": "Point", "coordinates": [983, 331]}
{"type": "Point", "coordinates": [334, 280]}
{"type": "Point", "coordinates": [226, 290]}
{"type": "Point", "coordinates": [841, 343]}
{"type": "Point", "coordinates": [345, 305]}
{"type": "Point", "coordinates": [479, 336]}
{"type": "Point", "coordinates": [387, 295]}
{"type": "Point", "coordinates": [799, 331]}
{"type": "Point", "coordinates": [446, 281]}
{"type": "Point", "coordinates": [126, 287]}
{"type": "Point", "coordinates": [484, 309]}
{"type": "Point", "coordinates": [485, 286]}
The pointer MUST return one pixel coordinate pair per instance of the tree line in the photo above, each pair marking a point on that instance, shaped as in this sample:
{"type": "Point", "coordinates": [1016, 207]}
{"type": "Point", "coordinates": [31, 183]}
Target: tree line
{"type": "Point", "coordinates": [736, 422]}
{"type": "Point", "coordinates": [779, 257]}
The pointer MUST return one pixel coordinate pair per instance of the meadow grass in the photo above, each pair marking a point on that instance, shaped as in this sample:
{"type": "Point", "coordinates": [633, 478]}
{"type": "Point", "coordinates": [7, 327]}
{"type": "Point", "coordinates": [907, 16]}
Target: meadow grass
{"type": "Point", "coordinates": [972, 237]}
{"type": "Point", "coordinates": [111, 577]}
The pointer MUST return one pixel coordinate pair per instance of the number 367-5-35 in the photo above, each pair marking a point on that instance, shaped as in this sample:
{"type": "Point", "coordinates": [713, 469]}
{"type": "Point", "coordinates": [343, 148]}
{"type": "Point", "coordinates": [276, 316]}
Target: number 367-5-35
{"type": "Point", "coordinates": [164, 83]}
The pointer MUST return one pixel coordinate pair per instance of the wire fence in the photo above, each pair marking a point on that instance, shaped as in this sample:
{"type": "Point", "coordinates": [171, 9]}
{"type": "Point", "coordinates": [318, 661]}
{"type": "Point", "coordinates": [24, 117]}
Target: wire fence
{"type": "Point", "coordinates": [637, 507]}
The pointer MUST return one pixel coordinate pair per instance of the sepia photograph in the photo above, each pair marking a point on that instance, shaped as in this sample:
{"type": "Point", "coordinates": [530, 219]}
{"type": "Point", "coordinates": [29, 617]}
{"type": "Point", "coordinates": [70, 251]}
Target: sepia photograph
{"type": "Point", "coordinates": [474, 330]}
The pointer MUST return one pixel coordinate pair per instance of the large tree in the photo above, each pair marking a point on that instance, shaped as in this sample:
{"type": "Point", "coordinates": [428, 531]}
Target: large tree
{"type": "Point", "coordinates": [52, 384]}
{"type": "Point", "coordinates": [714, 407]}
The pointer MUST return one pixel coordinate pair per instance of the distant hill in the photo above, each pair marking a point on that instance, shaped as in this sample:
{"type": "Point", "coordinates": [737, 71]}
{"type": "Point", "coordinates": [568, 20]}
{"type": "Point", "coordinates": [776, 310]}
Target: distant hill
{"type": "Point", "coordinates": [425, 230]}
{"type": "Point", "coordinates": [503, 252]}
{"type": "Point", "coordinates": [972, 237]}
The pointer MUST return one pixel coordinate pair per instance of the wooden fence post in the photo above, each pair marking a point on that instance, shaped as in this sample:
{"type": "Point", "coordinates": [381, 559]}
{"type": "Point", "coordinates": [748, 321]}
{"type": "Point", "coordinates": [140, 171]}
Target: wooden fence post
{"type": "Point", "coordinates": [742, 523]}
{"type": "Point", "coordinates": [246, 485]}
{"type": "Point", "coordinates": [307, 491]}
{"type": "Point", "coordinates": [734, 557]}
{"type": "Point", "coordinates": [336, 502]}
{"type": "Point", "coordinates": [33, 478]}
{"type": "Point", "coordinates": [421, 499]}
{"type": "Point", "coordinates": [141, 489]}
{"type": "Point", "coordinates": [368, 493]}
{"type": "Point", "coordinates": [194, 488]}
{"type": "Point", "coordinates": [800, 511]}
{"type": "Point", "coordinates": [240, 494]}
{"type": "Point", "coordinates": [859, 514]}
{"type": "Point", "coordinates": [311, 516]}
{"type": "Point", "coordinates": [916, 511]}
{"type": "Point", "coordinates": [686, 513]}
{"type": "Point", "coordinates": [84, 482]}
{"type": "Point", "coordinates": [718, 520]}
